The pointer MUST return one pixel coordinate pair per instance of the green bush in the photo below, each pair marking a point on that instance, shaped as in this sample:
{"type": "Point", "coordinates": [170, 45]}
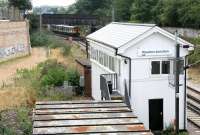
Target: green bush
{"type": "Point", "coordinates": [52, 73]}
{"type": "Point", "coordinates": [42, 79]}
{"type": "Point", "coordinates": [72, 76]}
{"type": "Point", "coordinates": [34, 22]}
{"type": "Point", "coordinates": [55, 76]}
{"type": "Point", "coordinates": [39, 39]}
{"type": "Point", "coordinates": [47, 39]}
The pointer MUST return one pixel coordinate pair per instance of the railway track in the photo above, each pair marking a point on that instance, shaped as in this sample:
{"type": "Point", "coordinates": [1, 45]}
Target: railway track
{"type": "Point", "coordinates": [78, 40]}
{"type": "Point", "coordinates": [193, 106]}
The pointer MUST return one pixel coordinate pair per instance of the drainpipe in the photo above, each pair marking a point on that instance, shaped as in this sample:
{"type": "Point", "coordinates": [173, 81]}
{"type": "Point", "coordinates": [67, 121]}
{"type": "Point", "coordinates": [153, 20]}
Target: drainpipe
{"type": "Point", "coordinates": [129, 69]}
{"type": "Point", "coordinates": [87, 48]}
{"type": "Point", "coordinates": [185, 91]}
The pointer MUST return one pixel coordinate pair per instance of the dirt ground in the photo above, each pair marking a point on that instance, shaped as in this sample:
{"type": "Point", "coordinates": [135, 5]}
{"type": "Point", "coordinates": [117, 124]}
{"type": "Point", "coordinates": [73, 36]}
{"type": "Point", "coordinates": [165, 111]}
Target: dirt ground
{"type": "Point", "coordinates": [12, 96]}
{"type": "Point", "coordinates": [9, 68]}
{"type": "Point", "coordinates": [194, 74]}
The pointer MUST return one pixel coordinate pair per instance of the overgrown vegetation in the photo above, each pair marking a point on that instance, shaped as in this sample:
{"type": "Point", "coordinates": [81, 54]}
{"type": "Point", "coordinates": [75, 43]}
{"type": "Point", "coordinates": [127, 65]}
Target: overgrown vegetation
{"type": "Point", "coordinates": [41, 83]}
{"type": "Point", "coordinates": [195, 55]}
{"type": "Point", "coordinates": [47, 39]}
{"type": "Point", "coordinates": [52, 73]}
{"type": "Point", "coordinates": [16, 121]}
{"type": "Point", "coordinates": [45, 77]}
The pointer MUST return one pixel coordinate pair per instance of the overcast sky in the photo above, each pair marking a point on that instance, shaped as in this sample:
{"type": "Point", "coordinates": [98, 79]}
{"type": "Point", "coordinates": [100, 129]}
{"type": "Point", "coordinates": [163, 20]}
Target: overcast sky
{"type": "Point", "coordinates": [37, 3]}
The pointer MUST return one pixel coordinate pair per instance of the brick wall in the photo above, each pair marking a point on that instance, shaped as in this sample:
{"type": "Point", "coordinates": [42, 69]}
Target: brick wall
{"type": "Point", "coordinates": [14, 39]}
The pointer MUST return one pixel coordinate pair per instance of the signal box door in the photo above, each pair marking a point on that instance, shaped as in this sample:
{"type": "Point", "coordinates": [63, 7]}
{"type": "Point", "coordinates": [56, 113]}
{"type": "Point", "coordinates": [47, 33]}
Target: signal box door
{"type": "Point", "coordinates": [156, 114]}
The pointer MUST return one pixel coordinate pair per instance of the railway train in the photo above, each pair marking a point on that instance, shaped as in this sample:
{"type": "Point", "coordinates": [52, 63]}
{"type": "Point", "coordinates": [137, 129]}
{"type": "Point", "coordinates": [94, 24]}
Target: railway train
{"type": "Point", "coordinates": [66, 30]}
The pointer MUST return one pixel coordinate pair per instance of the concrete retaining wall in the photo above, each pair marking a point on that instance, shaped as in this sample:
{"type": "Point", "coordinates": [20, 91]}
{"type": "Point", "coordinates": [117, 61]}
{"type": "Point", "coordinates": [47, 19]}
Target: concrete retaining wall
{"type": "Point", "coordinates": [185, 32]}
{"type": "Point", "coordinates": [14, 39]}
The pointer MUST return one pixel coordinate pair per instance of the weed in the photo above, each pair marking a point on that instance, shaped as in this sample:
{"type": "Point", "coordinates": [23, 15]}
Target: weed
{"type": "Point", "coordinates": [72, 76]}
{"type": "Point", "coordinates": [24, 120]}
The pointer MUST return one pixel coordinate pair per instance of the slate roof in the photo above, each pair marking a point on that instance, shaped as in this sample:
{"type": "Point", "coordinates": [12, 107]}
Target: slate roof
{"type": "Point", "coordinates": [117, 34]}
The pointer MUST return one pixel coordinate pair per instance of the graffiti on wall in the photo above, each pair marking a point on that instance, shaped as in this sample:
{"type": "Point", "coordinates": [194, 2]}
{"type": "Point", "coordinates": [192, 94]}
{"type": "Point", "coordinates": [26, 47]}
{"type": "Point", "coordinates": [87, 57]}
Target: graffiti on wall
{"type": "Point", "coordinates": [5, 52]}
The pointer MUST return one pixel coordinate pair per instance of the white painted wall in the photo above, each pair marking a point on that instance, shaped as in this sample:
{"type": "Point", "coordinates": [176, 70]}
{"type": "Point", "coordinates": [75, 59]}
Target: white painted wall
{"type": "Point", "coordinates": [154, 87]}
{"type": "Point", "coordinates": [155, 41]}
{"type": "Point", "coordinates": [144, 85]}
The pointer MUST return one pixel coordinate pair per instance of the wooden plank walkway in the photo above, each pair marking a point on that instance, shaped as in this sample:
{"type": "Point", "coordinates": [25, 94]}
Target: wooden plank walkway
{"type": "Point", "coordinates": [86, 117]}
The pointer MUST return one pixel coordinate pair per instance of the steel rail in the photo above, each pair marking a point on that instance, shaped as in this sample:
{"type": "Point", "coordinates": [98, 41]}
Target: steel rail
{"type": "Point", "coordinates": [193, 108]}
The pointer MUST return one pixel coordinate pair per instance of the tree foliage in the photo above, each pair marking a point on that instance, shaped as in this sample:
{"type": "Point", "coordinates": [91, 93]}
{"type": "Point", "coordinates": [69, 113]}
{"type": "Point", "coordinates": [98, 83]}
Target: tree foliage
{"type": "Point", "coordinates": [21, 4]}
{"type": "Point", "coordinates": [143, 10]}
{"type": "Point", "coordinates": [122, 9]}
{"type": "Point", "coordinates": [177, 13]}
{"type": "Point", "coordinates": [90, 6]}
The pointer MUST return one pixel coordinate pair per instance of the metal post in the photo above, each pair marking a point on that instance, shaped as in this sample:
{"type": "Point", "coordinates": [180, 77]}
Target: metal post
{"type": "Point", "coordinates": [113, 12]}
{"type": "Point", "coordinates": [177, 71]}
{"type": "Point", "coordinates": [87, 49]}
{"type": "Point", "coordinates": [40, 20]}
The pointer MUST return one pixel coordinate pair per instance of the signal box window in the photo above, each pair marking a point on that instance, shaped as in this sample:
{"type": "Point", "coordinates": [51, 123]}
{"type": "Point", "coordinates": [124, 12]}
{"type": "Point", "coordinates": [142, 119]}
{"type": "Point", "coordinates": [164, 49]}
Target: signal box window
{"type": "Point", "coordinates": [155, 67]}
{"type": "Point", "coordinates": [160, 67]}
{"type": "Point", "coordinates": [165, 67]}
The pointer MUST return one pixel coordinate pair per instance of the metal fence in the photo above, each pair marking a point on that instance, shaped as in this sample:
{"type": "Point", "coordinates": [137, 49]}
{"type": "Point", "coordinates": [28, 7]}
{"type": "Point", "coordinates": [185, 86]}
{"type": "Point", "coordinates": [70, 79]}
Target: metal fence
{"type": "Point", "coordinates": [126, 95]}
{"type": "Point", "coordinates": [105, 94]}
{"type": "Point", "coordinates": [112, 78]}
{"type": "Point", "coordinates": [11, 13]}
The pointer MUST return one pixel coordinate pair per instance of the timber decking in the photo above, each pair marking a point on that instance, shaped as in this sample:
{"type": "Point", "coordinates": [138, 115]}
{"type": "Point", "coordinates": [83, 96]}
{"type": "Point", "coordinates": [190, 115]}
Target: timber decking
{"type": "Point", "coordinates": [86, 117]}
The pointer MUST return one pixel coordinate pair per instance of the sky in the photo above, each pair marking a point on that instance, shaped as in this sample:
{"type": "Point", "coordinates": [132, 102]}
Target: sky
{"type": "Point", "coordinates": [37, 3]}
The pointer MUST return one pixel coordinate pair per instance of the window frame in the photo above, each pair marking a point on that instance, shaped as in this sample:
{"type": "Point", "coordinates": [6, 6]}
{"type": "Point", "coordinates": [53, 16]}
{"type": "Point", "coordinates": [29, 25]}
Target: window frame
{"type": "Point", "coordinates": [103, 59]}
{"type": "Point", "coordinates": [160, 62]}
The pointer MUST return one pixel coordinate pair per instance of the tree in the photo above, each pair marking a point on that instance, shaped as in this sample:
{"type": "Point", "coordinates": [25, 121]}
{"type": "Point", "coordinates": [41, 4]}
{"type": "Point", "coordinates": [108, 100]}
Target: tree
{"type": "Point", "coordinates": [143, 10]}
{"type": "Point", "coordinates": [189, 13]}
{"type": "Point", "coordinates": [21, 4]}
{"type": "Point", "coordinates": [122, 9]}
{"type": "Point", "coordinates": [170, 15]}
{"type": "Point", "coordinates": [91, 7]}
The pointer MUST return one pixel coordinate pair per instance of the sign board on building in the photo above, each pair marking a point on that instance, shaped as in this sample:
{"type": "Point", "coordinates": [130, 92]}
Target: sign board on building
{"type": "Point", "coordinates": [154, 52]}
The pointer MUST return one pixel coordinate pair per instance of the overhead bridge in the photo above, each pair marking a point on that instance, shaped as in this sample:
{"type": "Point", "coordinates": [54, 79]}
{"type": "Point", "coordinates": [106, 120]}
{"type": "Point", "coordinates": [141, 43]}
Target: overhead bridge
{"type": "Point", "coordinates": [86, 117]}
{"type": "Point", "coordinates": [70, 19]}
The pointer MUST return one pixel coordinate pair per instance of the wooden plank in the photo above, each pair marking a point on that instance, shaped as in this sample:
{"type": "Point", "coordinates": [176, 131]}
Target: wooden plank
{"type": "Point", "coordinates": [145, 132]}
{"type": "Point", "coordinates": [77, 102]}
{"type": "Point", "coordinates": [124, 133]}
{"type": "Point", "coordinates": [89, 129]}
{"type": "Point", "coordinates": [84, 116]}
{"type": "Point", "coordinates": [70, 106]}
{"type": "Point", "coordinates": [85, 110]}
{"type": "Point", "coordinates": [90, 122]}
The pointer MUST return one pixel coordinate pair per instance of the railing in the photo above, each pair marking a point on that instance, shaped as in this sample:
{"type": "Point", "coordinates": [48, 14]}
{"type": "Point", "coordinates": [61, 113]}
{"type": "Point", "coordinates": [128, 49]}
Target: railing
{"type": "Point", "coordinates": [112, 78]}
{"type": "Point", "coordinates": [126, 95]}
{"type": "Point", "coordinates": [105, 94]}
